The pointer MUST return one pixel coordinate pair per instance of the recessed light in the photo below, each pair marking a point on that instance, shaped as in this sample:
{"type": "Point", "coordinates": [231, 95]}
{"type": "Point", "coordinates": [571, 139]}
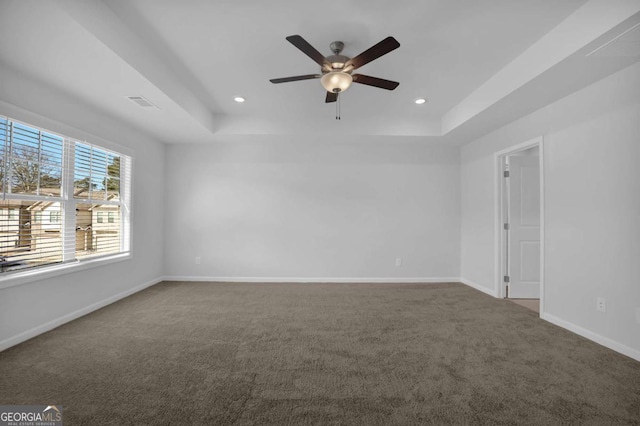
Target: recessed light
{"type": "Point", "coordinates": [239, 99]}
{"type": "Point", "coordinates": [420, 101]}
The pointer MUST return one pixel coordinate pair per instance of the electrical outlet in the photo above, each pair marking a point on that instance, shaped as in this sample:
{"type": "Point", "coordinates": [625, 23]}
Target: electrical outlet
{"type": "Point", "coordinates": [398, 261]}
{"type": "Point", "coordinates": [601, 304]}
{"type": "Point", "coordinates": [198, 260]}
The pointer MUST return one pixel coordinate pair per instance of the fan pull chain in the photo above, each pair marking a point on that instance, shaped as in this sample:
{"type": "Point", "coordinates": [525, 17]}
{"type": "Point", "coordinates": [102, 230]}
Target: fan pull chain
{"type": "Point", "coordinates": [338, 106]}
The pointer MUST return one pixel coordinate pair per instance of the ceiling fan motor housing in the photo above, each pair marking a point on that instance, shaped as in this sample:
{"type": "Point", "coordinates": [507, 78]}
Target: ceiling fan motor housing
{"type": "Point", "coordinates": [336, 60]}
{"type": "Point", "coordinates": [338, 63]}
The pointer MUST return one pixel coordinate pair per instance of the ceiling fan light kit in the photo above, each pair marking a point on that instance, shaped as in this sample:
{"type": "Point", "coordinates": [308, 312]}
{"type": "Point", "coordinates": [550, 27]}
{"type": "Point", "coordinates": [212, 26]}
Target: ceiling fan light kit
{"type": "Point", "coordinates": [337, 70]}
{"type": "Point", "coordinates": [336, 81]}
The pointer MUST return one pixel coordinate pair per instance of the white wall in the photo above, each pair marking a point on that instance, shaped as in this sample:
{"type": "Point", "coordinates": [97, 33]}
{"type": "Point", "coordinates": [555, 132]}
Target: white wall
{"type": "Point", "coordinates": [592, 208]}
{"type": "Point", "coordinates": [274, 209]}
{"type": "Point", "coordinates": [269, 209]}
{"type": "Point", "coordinates": [33, 307]}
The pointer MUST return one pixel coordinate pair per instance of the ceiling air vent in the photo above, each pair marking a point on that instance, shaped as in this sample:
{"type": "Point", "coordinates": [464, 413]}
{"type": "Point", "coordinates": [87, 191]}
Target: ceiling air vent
{"type": "Point", "coordinates": [142, 102]}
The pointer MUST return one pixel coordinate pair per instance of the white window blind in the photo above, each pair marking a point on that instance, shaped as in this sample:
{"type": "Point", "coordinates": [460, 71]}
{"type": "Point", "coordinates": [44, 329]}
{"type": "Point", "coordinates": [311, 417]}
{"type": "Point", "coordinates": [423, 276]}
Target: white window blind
{"type": "Point", "coordinates": [96, 179]}
{"type": "Point", "coordinates": [62, 200]}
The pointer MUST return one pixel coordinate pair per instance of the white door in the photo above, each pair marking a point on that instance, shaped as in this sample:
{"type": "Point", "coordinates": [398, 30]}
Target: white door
{"type": "Point", "coordinates": [524, 227]}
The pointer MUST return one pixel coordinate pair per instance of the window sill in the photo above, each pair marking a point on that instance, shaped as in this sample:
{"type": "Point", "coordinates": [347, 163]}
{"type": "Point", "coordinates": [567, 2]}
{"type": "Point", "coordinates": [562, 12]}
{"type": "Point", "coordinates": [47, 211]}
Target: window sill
{"type": "Point", "coordinates": [18, 278]}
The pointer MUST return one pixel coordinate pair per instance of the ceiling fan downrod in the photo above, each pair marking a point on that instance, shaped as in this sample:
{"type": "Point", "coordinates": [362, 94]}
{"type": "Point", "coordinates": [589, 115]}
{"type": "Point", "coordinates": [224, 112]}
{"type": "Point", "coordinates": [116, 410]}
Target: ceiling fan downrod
{"type": "Point", "coordinates": [336, 47]}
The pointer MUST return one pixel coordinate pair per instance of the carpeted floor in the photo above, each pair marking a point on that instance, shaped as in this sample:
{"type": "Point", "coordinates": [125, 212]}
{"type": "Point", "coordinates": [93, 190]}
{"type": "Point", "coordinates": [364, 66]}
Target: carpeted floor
{"type": "Point", "coordinates": [325, 354]}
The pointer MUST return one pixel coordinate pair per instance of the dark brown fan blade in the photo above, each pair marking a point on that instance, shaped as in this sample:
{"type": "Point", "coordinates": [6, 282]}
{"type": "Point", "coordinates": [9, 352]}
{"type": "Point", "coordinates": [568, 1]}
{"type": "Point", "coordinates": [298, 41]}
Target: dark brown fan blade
{"type": "Point", "coordinates": [374, 52]}
{"type": "Point", "coordinates": [331, 97]}
{"type": "Point", "coordinates": [308, 50]}
{"type": "Point", "coordinates": [375, 82]}
{"type": "Point", "coordinates": [295, 78]}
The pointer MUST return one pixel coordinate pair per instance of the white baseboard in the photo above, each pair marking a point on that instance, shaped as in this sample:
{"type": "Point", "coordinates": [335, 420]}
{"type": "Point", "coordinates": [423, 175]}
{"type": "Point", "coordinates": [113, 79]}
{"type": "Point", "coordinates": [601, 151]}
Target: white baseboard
{"type": "Point", "coordinates": [48, 326]}
{"type": "Point", "coordinates": [611, 344]}
{"type": "Point", "coordinates": [478, 287]}
{"type": "Point", "coordinates": [604, 341]}
{"type": "Point", "coordinates": [315, 279]}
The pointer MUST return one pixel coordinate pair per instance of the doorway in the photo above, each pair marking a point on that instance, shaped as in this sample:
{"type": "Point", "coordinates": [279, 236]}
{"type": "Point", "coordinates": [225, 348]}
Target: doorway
{"type": "Point", "coordinates": [519, 217]}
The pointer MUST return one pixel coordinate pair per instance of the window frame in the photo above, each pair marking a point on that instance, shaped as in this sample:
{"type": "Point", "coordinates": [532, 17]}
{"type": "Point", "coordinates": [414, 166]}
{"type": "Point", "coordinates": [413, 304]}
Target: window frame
{"type": "Point", "coordinates": [67, 211]}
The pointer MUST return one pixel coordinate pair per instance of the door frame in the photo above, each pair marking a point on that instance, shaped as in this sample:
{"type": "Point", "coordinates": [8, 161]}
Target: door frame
{"type": "Point", "coordinates": [500, 236]}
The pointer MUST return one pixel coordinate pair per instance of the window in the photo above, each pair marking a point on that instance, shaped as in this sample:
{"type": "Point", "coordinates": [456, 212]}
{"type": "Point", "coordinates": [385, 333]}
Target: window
{"type": "Point", "coordinates": [56, 193]}
{"type": "Point", "coordinates": [54, 217]}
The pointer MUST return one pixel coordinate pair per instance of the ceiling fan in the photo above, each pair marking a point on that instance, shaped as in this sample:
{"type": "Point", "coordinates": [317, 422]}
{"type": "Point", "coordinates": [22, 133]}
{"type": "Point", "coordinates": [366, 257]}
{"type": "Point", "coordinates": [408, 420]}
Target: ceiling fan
{"type": "Point", "coordinates": [336, 70]}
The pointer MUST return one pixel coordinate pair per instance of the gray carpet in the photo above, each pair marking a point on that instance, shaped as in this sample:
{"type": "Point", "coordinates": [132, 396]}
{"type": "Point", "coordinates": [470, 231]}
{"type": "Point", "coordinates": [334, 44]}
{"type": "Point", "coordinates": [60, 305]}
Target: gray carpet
{"type": "Point", "coordinates": [326, 354]}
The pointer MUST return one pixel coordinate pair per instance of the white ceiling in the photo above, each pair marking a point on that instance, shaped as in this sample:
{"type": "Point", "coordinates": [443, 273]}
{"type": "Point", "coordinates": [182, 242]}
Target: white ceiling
{"type": "Point", "coordinates": [473, 61]}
